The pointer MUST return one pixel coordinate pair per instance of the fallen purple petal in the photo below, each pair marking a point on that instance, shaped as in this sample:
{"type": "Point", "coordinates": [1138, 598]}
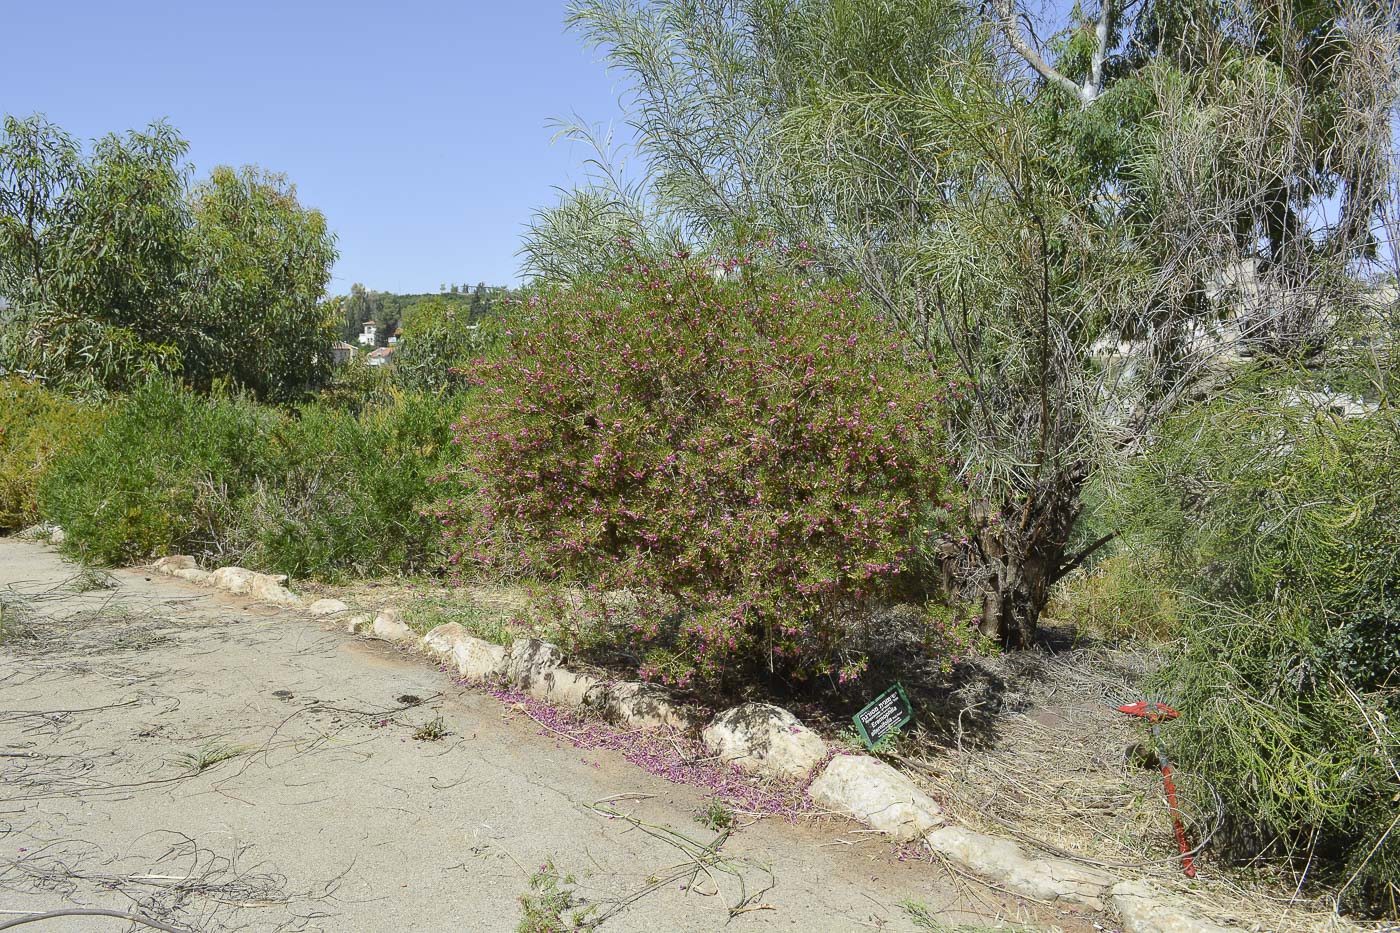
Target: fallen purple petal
{"type": "Point", "coordinates": [668, 754]}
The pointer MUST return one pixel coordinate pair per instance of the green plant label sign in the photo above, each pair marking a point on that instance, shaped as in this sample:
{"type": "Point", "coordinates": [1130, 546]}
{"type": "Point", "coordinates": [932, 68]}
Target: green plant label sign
{"type": "Point", "coordinates": [889, 711]}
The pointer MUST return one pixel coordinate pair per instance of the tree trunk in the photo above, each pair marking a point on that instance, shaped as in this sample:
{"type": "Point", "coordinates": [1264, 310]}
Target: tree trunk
{"type": "Point", "coordinates": [1016, 554]}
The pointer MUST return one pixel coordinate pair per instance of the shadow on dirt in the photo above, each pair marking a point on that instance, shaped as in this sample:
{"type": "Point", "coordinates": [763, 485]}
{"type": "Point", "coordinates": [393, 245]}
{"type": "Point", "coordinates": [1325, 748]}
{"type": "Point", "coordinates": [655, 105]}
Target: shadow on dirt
{"type": "Point", "coordinates": [962, 701]}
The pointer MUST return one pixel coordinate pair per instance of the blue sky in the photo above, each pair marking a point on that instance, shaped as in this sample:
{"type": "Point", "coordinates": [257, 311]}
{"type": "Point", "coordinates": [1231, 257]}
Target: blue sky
{"type": "Point", "coordinates": [421, 129]}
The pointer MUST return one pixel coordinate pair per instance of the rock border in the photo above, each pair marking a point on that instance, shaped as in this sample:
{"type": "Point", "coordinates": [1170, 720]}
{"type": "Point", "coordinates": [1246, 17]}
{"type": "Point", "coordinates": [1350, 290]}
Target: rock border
{"type": "Point", "coordinates": [769, 740]}
{"type": "Point", "coordinates": [260, 587]}
{"type": "Point", "coordinates": [757, 738]}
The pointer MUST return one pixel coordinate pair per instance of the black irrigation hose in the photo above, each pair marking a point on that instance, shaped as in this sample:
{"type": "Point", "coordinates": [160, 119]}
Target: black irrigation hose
{"type": "Point", "coordinates": [91, 912]}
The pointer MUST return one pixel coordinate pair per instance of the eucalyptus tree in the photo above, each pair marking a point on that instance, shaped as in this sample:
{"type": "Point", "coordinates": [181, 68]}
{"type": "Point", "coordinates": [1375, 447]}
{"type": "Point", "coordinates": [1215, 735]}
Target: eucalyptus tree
{"type": "Point", "coordinates": [1083, 231]}
{"type": "Point", "coordinates": [112, 266]}
{"type": "Point", "coordinates": [258, 265]}
{"type": "Point", "coordinates": [90, 252]}
{"type": "Point", "coordinates": [1333, 59]}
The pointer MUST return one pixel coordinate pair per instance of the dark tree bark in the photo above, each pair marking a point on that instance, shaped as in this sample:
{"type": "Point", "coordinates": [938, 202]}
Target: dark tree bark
{"type": "Point", "coordinates": [1013, 556]}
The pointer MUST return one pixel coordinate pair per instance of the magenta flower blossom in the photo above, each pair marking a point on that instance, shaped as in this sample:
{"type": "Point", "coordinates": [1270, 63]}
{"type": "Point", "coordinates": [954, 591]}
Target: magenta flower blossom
{"type": "Point", "coordinates": [747, 459]}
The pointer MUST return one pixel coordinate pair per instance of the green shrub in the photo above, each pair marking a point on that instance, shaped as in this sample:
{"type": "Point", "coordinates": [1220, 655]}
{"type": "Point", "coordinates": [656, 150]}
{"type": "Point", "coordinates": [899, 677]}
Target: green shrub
{"type": "Point", "coordinates": [1260, 499]}
{"type": "Point", "coordinates": [355, 387]}
{"type": "Point", "coordinates": [165, 475]}
{"type": "Point", "coordinates": [36, 425]}
{"type": "Point", "coordinates": [322, 493]}
{"type": "Point", "coordinates": [749, 458]}
{"type": "Point", "coordinates": [1302, 762]}
{"type": "Point", "coordinates": [351, 494]}
{"type": "Point", "coordinates": [1284, 523]}
{"type": "Point", "coordinates": [552, 904]}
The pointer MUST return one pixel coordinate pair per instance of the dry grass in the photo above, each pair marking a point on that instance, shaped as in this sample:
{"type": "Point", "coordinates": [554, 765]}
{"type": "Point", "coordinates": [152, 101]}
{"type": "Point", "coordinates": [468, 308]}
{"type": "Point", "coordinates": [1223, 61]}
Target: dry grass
{"type": "Point", "coordinates": [1056, 775]}
{"type": "Point", "coordinates": [93, 626]}
{"type": "Point", "coordinates": [426, 603]}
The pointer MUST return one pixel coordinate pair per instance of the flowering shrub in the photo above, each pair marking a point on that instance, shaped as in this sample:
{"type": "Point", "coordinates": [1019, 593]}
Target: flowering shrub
{"type": "Point", "coordinates": [748, 455]}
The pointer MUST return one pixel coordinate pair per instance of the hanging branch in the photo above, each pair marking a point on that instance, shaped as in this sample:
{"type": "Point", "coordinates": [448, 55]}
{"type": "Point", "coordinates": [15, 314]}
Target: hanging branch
{"type": "Point", "coordinates": [1087, 93]}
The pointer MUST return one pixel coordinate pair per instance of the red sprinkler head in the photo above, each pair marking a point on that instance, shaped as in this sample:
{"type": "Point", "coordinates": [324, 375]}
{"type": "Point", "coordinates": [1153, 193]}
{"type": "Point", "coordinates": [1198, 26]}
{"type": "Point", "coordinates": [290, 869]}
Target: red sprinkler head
{"type": "Point", "coordinates": [1150, 711]}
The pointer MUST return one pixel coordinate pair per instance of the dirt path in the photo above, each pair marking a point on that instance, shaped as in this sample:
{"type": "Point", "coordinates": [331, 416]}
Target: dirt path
{"type": "Point", "coordinates": [117, 702]}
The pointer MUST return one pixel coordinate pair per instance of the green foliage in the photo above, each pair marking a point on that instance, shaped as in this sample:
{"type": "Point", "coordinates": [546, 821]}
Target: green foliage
{"type": "Point", "coordinates": [753, 458]}
{"type": "Point", "coordinates": [355, 387]}
{"type": "Point", "coordinates": [551, 906]}
{"type": "Point", "coordinates": [1331, 69]}
{"type": "Point", "coordinates": [1122, 597]}
{"type": "Point", "coordinates": [1057, 247]}
{"type": "Point", "coordinates": [894, 742]}
{"type": "Point", "coordinates": [391, 310]}
{"type": "Point", "coordinates": [324, 493]}
{"type": "Point", "coordinates": [1301, 761]}
{"type": "Point", "coordinates": [1264, 497]}
{"type": "Point", "coordinates": [89, 254]}
{"type": "Point", "coordinates": [348, 495]}
{"type": "Point", "coordinates": [1283, 523]}
{"type": "Point", "coordinates": [433, 730]}
{"type": "Point", "coordinates": [487, 622]}
{"type": "Point", "coordinates": [715, 816]}
{"type": "Point", "coordinates": [36, 425]}
{"type": "Point", "coordinates": [112, 270]}
{"type": "Point", "coordinates": [439, 337]}
{"type": "Point", "coordinates": [163, 475]}
{"type": "Point", "coordinates": [359, 306]}
{"type": "Point", "coordinates": [208, 755]}
{"type": "Point", "coordinates": [259, 264]}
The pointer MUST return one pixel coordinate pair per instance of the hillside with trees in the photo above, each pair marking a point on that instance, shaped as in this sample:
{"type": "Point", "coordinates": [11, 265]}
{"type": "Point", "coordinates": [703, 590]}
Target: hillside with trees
{"type": "Point", "coordinates": [391, 311]}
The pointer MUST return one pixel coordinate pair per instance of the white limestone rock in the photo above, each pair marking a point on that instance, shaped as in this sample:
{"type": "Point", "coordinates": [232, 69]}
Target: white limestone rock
{"type": "Point", "coordinates": [258, 586]}
{"type": "Point", "coordinates": [388, 626]}
{"type": "Point", "coordinates": [877, 795]}
{"type": "Point", "coordinates": [765, 739]}
{"type": "Point", "coordinates": [1009, 865]}
{"type": "Point", "coordinates": [1141, 908]}
{"type": "Point", "coordinates": [442, 640]}
{"type": "Point", "coordinates": [478, 659]}
{"type": "Point", "coordinates": [327, 607]}
{"type": "Point", "coordinates": [173, 562]}
{"type": "Point", "coordinates": [268, 589]}
{"type": "Point", "coordinates": [471, 657]}
{"type": "Point", "coordinates": [234, 579]}
{"type": "Point", "coordinates": [529, 660]}
{"type": "Point", "coordinates": [44, 531]}
{"type": "Point", "coordinates": [359, 625]}
{"type": "Point", "coordinates": [193, 575]}
{"type": "Point", "coordinates": [641, 706]}
{"type": "Point", "coordinates": [567, 688]}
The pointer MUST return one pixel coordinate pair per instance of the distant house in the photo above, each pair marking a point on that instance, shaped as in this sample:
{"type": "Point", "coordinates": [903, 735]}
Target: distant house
{"type": "Point", "coordinates": [341, 353]}
{"type": "Point", "coordinates": [394, 337]}
{"type": "Point", "coordinates": [370, 335]}
{"type": "Point", "coordinates": [381, 357]}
